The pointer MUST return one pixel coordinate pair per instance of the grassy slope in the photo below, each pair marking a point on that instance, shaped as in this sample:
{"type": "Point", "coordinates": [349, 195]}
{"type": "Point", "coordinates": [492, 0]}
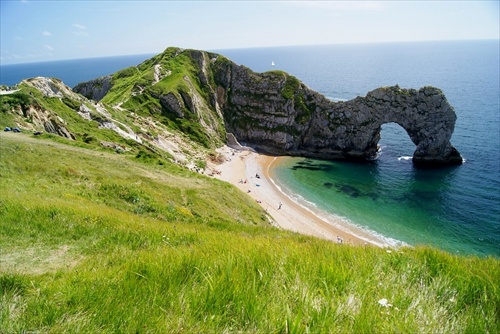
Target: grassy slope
{"type": "Point", "coordinates": [127, 84]}
{"type": "Point", "coordinates": [98, 242]}
{"type": "Point", "coordinates": [66, 108]}
{"type": "Point", "coordinates": [181, 67]}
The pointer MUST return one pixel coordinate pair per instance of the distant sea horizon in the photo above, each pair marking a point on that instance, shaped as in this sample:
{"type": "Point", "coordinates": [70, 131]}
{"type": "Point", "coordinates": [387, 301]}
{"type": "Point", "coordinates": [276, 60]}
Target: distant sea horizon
{"type": "Point", "coordinates": [70, 71]}
{"type": "Point", "coordinates": [12, 74]}
{"type": "Point", "coordinates": [456, 209]}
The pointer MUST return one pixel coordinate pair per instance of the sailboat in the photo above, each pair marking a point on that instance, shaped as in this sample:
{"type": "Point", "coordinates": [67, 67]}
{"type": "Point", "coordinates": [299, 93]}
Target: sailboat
{"type": "Point", "coordinates": [272, 63]}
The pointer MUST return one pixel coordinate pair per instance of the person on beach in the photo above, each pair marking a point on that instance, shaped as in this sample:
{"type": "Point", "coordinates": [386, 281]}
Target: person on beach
{"type": "Point", "coordinates": [279, 206]}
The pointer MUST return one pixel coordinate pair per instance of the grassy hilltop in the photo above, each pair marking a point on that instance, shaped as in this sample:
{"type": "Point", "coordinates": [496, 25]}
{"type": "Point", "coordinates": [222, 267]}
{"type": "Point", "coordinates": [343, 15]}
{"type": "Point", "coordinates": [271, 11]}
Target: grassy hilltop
{"type": "Point", "coordinates": [92, 241]}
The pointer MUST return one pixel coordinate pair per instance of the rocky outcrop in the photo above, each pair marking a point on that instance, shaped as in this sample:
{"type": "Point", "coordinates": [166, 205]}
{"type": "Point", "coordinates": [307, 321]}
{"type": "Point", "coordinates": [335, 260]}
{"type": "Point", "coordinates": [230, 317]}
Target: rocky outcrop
{"type": "Point", "coordinates": [40, 118]}
{"type": "Point", "coordinates": [50, 87]}
{"type": "Point", "coordinates": [207, 96]}
{"type": "Point", "coordinates": [172, 104]}
{"type": "Point", "coordinates": [275, 112]}
{"type": "Point", "coordinates": [94, 89]}
{"type": "Point", "coordinates": [57, 127]}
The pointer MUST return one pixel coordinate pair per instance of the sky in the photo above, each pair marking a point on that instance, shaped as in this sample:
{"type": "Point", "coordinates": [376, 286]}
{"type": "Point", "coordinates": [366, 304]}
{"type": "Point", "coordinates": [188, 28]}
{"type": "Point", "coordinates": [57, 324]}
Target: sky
{"type": "Point", "coordinates": [38, 30]}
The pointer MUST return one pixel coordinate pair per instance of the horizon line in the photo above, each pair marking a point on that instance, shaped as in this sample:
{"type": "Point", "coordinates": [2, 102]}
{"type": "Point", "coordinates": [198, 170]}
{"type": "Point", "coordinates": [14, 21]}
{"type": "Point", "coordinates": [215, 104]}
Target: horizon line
{"type": "Point", "coordinates": [217, 50]}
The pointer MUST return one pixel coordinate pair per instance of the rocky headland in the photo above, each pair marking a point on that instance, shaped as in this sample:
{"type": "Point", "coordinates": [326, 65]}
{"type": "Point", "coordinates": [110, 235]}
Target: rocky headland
{"type": "Point", "coordinates": [275, 112]}
{"type": "Point", "coordinates": [209, 98]}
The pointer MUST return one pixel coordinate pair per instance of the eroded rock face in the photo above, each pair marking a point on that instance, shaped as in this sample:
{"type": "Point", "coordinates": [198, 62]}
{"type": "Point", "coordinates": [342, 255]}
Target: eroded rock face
{"type": "Point", "coordinates": [94, 89]}
{"type": "Point", "coordinates": [49, 87]}
{"type": "Point", "coordinates": [172, 104]}
{"type": "Point", "coordinates": [42, 118]}
{"type": "Point", "coordinates": [275, 112]}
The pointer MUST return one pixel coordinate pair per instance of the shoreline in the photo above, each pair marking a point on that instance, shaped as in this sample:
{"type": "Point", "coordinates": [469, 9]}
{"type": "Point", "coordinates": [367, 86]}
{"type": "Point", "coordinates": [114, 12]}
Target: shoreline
{"type": "Point", "coordinates": [251, 172]}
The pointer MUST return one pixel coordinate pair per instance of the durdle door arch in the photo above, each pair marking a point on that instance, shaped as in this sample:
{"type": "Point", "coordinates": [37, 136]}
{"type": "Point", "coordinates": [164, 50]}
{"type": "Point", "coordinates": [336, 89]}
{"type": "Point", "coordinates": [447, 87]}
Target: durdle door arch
{"type": "Point", "coordinates": [275, 112]}
{"type": "Point", "coordinates": [352, 129]}
{"type": "Point", "coordinates": [425, 115]}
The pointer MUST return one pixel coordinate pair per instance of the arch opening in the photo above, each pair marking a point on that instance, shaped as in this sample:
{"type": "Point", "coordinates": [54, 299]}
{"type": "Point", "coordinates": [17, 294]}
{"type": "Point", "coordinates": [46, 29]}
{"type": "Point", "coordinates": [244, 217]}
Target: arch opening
{"type": "Point", "coordinates": [395, 142]}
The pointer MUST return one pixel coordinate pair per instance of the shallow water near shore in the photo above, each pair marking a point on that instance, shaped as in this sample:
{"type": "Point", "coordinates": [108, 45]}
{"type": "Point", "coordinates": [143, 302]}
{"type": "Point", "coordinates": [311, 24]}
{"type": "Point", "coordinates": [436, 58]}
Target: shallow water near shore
{"type": "Point", "coordinates": [414, 206]}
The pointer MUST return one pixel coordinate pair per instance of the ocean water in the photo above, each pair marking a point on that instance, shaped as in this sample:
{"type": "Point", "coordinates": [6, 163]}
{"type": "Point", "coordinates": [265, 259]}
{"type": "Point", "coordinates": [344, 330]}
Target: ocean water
{"type": "Point", "coordinates": [71, 72]}
{"type": "Point", "coordinates": [456, 209]}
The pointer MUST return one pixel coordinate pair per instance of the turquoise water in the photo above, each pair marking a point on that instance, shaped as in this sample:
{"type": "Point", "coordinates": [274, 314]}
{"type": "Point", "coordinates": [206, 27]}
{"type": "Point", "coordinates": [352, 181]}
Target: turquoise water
{"type": "Point", "coordinates": [456, 208]}
{"type": "Point", "coordinates": [415, 206]}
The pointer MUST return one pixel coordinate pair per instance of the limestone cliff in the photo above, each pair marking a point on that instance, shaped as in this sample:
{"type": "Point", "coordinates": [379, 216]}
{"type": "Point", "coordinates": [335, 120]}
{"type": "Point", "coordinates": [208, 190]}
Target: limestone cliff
{"type": "Point", "coordinates": [94, 89]}
{"type": "Point", "coordinates": [275, 112]}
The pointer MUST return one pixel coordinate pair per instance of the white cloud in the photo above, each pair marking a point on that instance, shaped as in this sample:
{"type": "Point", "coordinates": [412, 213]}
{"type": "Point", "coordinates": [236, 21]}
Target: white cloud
{"type": "Point", "coordinates": [48, 47]}
{"type": "Point", "coordinates": [79, 26]}
{"type": "Point", "coordinates": [81, 30]}
{"type": "Point", "coordinates": [46, 33]}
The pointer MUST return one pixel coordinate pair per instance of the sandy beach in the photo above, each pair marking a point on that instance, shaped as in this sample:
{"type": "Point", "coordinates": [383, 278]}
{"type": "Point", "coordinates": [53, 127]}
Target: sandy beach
{"type": "Point", "coordinates": [250, 172]}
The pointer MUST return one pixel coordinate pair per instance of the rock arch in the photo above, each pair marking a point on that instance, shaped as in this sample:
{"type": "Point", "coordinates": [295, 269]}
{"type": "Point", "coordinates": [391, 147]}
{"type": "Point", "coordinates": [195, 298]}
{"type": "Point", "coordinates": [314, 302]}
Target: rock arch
{"type": "Point", "coordinates": [275, 112]}
{"type": "Point", "coordinates": [425, 115]}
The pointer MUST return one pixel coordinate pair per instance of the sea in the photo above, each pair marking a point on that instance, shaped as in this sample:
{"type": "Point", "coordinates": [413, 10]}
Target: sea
{"type": "Point", "coordinates": [456, 209]}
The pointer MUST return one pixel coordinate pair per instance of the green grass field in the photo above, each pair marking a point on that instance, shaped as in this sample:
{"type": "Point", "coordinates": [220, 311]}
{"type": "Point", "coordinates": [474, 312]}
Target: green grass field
{"type": "Point", "coordinates": [93, 241]}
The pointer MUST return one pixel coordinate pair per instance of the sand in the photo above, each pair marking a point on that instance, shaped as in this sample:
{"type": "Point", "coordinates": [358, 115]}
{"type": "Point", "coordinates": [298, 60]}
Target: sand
{"type": "Point", "coordinates": [241, 169]}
